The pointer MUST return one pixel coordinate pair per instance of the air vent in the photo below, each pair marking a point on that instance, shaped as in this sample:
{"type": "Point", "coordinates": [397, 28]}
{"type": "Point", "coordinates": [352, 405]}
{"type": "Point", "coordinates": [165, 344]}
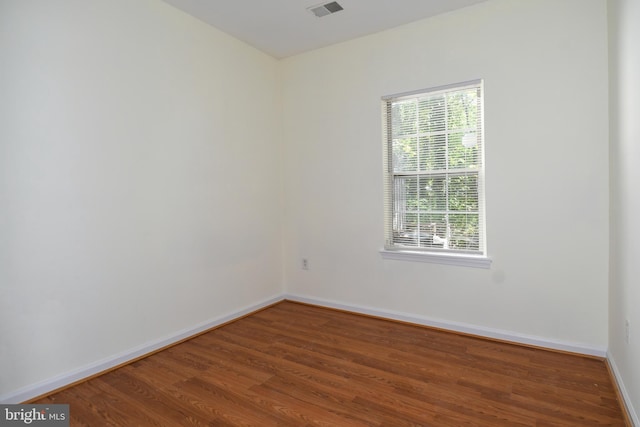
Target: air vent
{"type": "Point", "coordinates": [325, 9]}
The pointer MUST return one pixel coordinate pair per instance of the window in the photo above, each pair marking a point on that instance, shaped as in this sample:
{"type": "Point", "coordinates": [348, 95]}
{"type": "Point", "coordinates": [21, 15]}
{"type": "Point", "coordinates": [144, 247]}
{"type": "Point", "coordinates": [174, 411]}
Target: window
{"type": "Point", "coordinates": [434, 173]}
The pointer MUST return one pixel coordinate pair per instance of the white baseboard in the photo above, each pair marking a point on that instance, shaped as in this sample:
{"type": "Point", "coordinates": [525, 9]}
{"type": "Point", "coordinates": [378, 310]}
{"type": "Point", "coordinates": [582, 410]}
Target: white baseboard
{"type": "Point", "coordinates": [458, 327]}
{"type": "Point", "coordinates": [623, 391]}
{"type": "Point", "coordinates": [51, 384]}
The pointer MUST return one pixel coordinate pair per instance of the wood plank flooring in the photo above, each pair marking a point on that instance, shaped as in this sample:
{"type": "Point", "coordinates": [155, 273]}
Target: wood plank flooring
{"type": "Point", "coordinates": [299, 365]}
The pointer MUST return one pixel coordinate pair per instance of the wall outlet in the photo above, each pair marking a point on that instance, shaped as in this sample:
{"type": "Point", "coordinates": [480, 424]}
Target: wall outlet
{"type": "Point", "coordinates": [305, 264]}
{"type": "Point", "coordinates": [626, 331]}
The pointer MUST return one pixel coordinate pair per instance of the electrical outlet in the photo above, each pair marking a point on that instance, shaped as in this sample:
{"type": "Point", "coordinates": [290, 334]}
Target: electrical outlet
{"type": "Point", "coordinates": [626, 331]}
{"type": "Point", "coordinates": [305, 264]}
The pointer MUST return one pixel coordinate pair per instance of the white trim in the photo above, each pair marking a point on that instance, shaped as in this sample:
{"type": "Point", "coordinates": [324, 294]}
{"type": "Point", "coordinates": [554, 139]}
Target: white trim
{"type": "Point", "coordinates": [459, 327]}
{"type": "Point", "coordinates": [623, 391]}
{"type": "Point", "coordinates": [433, 90]}
{"type": "Point", "coordinates": [58, 381]}
{"type": "Point", "coordinates": [51, 384]}
{"type": "Point", "coordinates": [466, 260]}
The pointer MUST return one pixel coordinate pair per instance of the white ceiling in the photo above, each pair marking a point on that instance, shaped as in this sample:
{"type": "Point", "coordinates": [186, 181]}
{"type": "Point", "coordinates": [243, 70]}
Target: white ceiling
{"type": "Point", "coordinates": [283, 28]}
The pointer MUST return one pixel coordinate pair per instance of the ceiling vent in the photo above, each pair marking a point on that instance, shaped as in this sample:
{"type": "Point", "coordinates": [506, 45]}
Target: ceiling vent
{"type": "Point", "coordinates": [325, 9]}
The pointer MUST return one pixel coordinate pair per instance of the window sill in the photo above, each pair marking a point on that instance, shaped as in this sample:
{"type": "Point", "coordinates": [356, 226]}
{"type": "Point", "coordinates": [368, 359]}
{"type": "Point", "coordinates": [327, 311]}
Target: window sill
{"type": "Point", "coordinates": [465, 260]}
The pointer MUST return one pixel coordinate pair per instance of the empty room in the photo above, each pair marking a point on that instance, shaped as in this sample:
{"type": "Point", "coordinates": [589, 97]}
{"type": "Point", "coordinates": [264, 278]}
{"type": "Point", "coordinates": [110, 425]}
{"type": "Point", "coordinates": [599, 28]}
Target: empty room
{"type": "Point", "coordinates": [362, 212]}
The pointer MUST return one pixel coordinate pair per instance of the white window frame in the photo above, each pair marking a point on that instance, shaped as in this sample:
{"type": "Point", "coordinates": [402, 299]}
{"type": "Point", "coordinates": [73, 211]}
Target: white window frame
{"type": "Point", "coordinates": [393, 249]}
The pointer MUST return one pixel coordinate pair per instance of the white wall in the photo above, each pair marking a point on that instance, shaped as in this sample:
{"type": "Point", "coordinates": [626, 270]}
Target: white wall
{"type": "Point", "coordinates": [545, 73]}
{"type": "Point", "coordinates": [624, 295]}
{"type": "Point", "coordinates": [139, 180]}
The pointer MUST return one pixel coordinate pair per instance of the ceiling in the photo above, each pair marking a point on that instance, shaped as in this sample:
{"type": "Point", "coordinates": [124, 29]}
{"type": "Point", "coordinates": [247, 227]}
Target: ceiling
{"type": "Point", "coordinates": [284, 28]}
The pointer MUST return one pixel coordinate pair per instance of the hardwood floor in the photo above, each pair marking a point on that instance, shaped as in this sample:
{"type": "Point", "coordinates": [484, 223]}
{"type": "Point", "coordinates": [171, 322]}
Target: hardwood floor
{"type": "Point", "coordinates": [293, 364]}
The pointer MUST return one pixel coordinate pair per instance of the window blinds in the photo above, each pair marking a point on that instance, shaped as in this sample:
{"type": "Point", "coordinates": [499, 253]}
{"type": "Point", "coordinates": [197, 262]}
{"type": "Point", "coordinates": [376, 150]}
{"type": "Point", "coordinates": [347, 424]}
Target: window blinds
{"type": "Point", "coordinates": [434, 175]}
